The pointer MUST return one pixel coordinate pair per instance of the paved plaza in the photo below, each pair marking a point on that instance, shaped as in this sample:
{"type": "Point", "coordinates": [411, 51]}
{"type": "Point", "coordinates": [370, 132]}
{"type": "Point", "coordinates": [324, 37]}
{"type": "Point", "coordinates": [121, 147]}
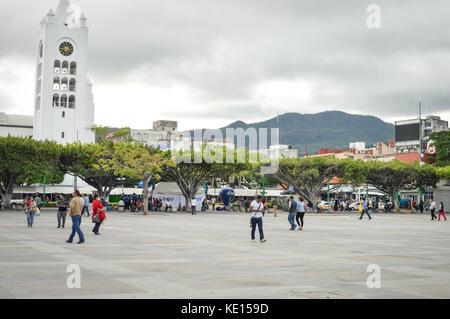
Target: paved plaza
{"type": "Point", "coordinates": [211, 256]}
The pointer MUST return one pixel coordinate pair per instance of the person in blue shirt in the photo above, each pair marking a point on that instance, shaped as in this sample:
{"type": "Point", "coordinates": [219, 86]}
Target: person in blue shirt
{"type": "Point", "coordinates": [300, 212]}
{"type": "Point", "coordinates": [365, 210]}
{"type": "Point", "coordinates": [292, 212]}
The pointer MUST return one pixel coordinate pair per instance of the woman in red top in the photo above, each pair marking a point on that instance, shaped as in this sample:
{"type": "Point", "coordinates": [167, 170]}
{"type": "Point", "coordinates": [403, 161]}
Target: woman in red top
{"type": "Point", "coordinates": [97, 209]}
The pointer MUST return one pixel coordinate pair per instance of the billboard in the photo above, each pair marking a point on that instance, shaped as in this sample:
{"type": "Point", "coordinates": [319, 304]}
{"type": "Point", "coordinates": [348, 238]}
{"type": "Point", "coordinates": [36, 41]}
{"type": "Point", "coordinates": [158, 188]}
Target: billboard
{"type": "Point", "coordinates": [407, 132]}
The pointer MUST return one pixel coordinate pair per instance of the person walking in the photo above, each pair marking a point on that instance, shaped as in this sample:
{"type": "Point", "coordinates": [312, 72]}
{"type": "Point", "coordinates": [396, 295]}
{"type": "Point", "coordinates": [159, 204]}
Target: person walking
{"type": "Point", "coordinates": [98, 214]}
{"type": "Point", "coordinates": [441, 211]}
{"type": "Point", "coordinates": [30, 210]}
{"type": "Point", "coordinates": [421, 205]}
{"type": "Point", "coordinates": [213, 203]}
{"type": "Point", "coordinates": [62, 205]}
{"type": "Point", "coordinates": [374, 206]}
{"type": "Point", "coordinates": [300, 212]}
{"type": "Point", "coordinates": [257, 208]}
{"type": "Point", "coordinates": [292, 212]}
{"type": "Point", "coordinates": [85, 205]}
{"type": "Point", "coordinates": [75, 214]}
{"type": "Point", "coordinates": [365, 210]}
{"type": "Point", "coordinates": [38, 202]}
{"type": "Point", "coordinates": [433, 209]}
{"type": "Point", "coordinates": [275, 206]}
{"type": "Point", "coordinates": [193, 206]}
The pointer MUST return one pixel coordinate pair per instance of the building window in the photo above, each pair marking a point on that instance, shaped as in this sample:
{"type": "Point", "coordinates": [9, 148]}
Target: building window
{"type": "Point", "coordinates": [55, 100]}
{"type": "Point", "coordinates": [38, 89]}
{"type": "Point", "coordinates": [64, 83]}
{"type": "Point", "coordinates": [72, 85]}
{"type": "Point", "coordinates": [63, 114]}
{"type": "Point", "coordinates": [71, 102]}
{"type": "Point", "coordinates": [62, 134]}
{"type": "Point", "coordinates": [73, 68]}
{"type": "Point", "coordinates": [63, 100]}
{"type": "Point", "coordinates": [56, 83]}
{"type": "Point", "coordinates": [40, 69]}
{"type": "Point", "coordinates": [65, 67]}
{"type": "Point", "coordinates": [57, 66]}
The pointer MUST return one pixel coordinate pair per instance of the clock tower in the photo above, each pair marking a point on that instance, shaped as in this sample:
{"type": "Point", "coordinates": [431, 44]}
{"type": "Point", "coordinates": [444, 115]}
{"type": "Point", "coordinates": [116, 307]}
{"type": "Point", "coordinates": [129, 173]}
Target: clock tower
{"type": "Point", "coordinates": [63, 107]}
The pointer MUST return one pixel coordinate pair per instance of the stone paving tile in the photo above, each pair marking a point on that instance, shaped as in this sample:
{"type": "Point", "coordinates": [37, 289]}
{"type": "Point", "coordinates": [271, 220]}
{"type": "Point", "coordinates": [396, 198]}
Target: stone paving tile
{"type": "Point", "coordinates": [210, 256]}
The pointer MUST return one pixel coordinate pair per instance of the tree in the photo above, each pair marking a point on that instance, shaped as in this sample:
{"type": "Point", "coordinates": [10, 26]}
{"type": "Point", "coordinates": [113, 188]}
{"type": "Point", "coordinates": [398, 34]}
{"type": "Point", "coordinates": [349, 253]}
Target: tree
{"type": "Point", "coordinates": [441, 142]}
{"type": "Point", "coordinates": [85, 161]}
{"type": "Point", "coordinates": [391, 177]}
{"type": "Point", "coordinates": [25, 161]}
{"type": "Point", "coordinates": [308, 175]}
{"type": "Point", "coordinates": [137, 161]}
{"type": "Point", "coordinates": [190, 174]}
{"type": "Point", "coordinates": [444, 172]}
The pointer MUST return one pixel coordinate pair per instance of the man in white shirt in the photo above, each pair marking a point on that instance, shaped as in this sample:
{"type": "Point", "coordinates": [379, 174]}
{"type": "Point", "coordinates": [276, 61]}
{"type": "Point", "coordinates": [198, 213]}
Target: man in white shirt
{"type": "Point", "coordinates": [193, 206]}
{"type": "Point", "coordinates": [257, 209]}
{"type": "Point", "coordinates": [168, 204]}
{"type": "Point", "coordinates": [433, 209]}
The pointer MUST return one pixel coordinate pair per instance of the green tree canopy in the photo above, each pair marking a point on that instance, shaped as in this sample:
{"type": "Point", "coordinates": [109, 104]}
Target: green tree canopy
{"type": "Point", "coordinates": [441, 142]}
{"type": "Point", "coordinates": [25, 161]}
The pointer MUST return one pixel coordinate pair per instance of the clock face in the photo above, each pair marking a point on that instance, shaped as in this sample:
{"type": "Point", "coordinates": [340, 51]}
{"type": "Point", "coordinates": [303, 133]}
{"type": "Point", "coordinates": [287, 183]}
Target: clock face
{"type": "Point", "coordinates": [66, 48]}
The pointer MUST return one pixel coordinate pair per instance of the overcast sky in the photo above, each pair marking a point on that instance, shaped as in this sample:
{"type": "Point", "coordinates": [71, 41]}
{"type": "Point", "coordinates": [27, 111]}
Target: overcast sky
{"type": "Point", "coordinates": [207, 63]}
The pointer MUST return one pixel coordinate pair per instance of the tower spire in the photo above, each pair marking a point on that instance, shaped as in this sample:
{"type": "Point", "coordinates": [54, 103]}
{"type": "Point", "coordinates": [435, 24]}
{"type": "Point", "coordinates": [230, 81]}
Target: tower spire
{"type": "Point", "coordinates": [62, 10]}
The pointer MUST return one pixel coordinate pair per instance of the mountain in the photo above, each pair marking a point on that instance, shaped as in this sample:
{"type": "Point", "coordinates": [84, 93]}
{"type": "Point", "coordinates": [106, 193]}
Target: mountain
{"type": "Point", "coordinates": [331, 129]}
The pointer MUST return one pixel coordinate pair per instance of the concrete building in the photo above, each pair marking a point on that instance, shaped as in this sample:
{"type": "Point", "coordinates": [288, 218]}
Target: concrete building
{"type": "Point", "coordinates": [64, 107]}
{"type": "Point", "coordinates": [359, 146]}
{"type": "Point", "coordinates": [409, 134]}
{"type": "Point", "coordinates": [160, 135]}
{"type": "Point", "coordinates": [165, 126]}
{"type": "Point", "coordinates": [16, 125]}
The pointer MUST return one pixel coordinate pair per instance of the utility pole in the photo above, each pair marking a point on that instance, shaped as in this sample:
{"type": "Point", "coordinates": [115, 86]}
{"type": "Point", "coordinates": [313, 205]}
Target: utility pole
{"type": "Point", "coordinates": [45, 187]}
{"type": "Point", "coordinates": [75, 186]}
{"type": "Point", "coordinates": [420, 132]}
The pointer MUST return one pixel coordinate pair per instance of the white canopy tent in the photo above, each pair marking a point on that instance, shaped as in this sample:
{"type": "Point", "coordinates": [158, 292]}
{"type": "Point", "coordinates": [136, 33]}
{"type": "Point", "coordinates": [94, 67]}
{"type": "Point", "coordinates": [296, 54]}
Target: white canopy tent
{"type": "Point", "coordinates": [170, 191]}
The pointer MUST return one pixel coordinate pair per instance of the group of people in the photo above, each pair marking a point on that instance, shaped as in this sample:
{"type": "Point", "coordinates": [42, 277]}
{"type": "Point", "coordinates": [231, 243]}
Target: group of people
{"type": "Point", "coordinates": [77, 206]}
{"type": "Point", "coordinates": [433, 207]}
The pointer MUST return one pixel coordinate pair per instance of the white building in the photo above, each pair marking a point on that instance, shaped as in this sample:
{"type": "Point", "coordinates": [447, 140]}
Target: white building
{"type": "Point", "coordinates": [16, 125]}
{"type": "Point", "coordinates": [64, 108]}
{"type": "Point", "coordinates": [358, 146]}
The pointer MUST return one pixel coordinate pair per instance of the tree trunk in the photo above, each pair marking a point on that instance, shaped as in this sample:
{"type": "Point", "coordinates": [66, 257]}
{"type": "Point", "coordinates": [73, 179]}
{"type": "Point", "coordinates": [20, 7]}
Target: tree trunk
{"type": "Point", "coordinates": [186, 206]}
{"type": "Point", "coordinates": [7, 193]}
{"type": "Point", "coordinates": [314, 201]}
{"type": "Point", "coordinates": [7, 199]}
{"type": "Point", "coordinates": [145, 192]}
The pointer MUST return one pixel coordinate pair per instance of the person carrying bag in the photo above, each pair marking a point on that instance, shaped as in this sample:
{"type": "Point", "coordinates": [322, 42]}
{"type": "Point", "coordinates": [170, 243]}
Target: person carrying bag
{"type": "Point", "coordinates": [98, 215]}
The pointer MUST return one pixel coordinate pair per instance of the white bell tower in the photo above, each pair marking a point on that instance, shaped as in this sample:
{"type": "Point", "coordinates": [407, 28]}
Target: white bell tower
{"type": "Point", "coordinates": [64, 107]}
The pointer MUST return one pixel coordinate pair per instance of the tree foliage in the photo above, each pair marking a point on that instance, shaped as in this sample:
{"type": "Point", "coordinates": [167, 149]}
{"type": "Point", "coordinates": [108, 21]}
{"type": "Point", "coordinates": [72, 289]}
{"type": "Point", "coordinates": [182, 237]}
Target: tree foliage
{"type": "Point", "coordinates": [137, 161]}
{"type": "Point", "coordinates": [85, 161]}
{"type": "Point", "coordinates": [25, 161]}
{"type": "Point", "coordinates": [441, 142]}
{"type": "Point", "coordinates": [308, 175]}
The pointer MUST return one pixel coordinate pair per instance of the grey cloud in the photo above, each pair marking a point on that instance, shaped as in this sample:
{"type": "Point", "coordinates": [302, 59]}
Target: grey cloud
{"type": "Point", "coordinates": [224, 48]}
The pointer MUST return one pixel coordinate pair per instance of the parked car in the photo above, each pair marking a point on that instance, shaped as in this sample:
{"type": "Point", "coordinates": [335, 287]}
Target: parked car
{"type": "Point", "coordinates": [324, 205]}
{"type": "Point", "coordinates": [17, 204]}
{"type": "Point", "coordinates": [355, 206]}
